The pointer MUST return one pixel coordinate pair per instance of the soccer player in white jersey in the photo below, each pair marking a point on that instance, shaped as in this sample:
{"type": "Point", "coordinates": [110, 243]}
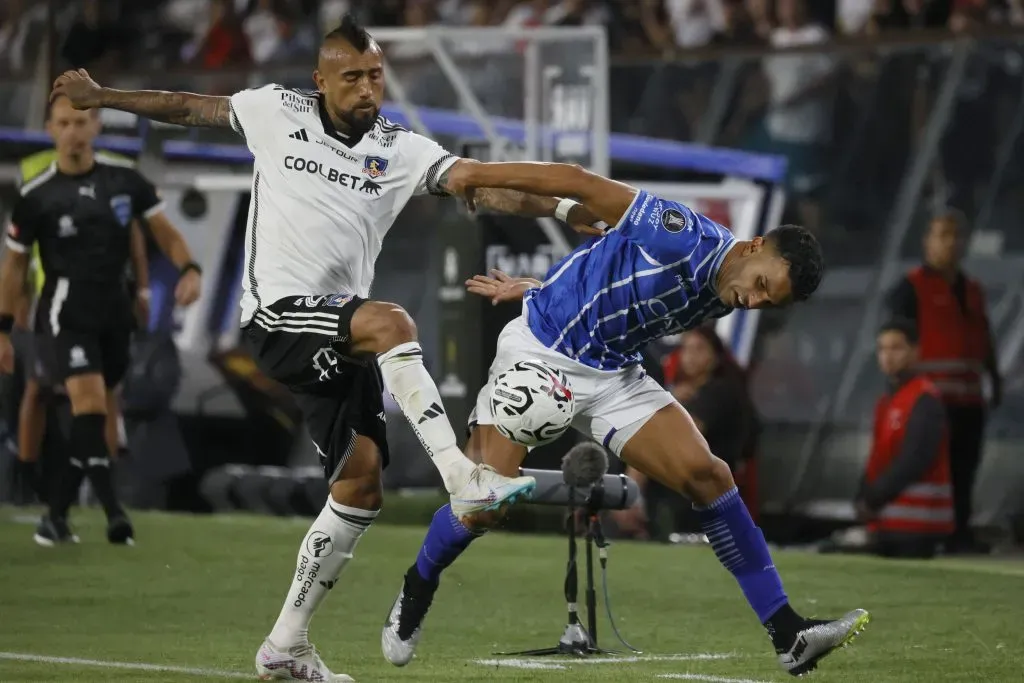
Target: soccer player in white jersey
{"type": "Point", "coordinates": [661, 269]}
{"type": "Point", "coordinates": [330, 177]}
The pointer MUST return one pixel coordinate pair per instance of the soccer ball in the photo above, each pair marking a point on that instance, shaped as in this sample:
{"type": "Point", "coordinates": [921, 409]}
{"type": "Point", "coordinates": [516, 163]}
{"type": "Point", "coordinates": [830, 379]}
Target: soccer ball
{"type": "Point", "coordinates": [532, 403]}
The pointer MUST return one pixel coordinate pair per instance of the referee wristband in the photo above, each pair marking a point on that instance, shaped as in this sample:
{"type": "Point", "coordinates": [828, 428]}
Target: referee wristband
{"type": "Point", "coordinates": [191, 265]}
{"type": "Point", "coordinates": [6, 324]}
{"type": "Point", "coordinates": [563, 208]}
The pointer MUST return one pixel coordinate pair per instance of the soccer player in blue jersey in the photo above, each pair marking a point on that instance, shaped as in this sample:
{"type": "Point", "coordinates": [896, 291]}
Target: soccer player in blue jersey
{"type": "Point", "coordinates": [661, 269]}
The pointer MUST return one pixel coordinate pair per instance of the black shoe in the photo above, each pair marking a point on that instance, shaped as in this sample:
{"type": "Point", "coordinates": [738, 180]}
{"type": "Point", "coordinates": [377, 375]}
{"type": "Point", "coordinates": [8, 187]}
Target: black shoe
{"type": "Point", "coordinates": [52, 532]}
{"type": "Point", "coordinates": [120, 531]}
{"type": "Point", "coordinates": [401, 631]}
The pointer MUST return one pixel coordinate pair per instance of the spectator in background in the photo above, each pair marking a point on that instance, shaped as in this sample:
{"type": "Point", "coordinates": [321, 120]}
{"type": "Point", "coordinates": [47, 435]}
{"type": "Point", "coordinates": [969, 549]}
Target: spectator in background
{"type": "Point", "coordinates": [956, 352]}
{"type": "Point", "coordinates": [852, 16]}
{"type": "Point", "coordinates": [577, 13]}
{"type": "Point", "coordinates": [800, 92]}
{"type": "Point", "coordinates": [760, 12]}
{"type": "Point", "coordinates": [90, 39]}
{"type": "Point", "coordinates": [906, 497]}
{"type": "Point", "coordinates": [626, 35]}
{"type": "Point", "coordinates": [330, 13]}
{"type": "Point", "coordinates": [224, 43]}
{"type": "Point", "coordinates": [275, 33]}
{"type": "Point", "coordinates": [738, 26]}
{"type": "Point", "coordinates": [528, 13]}
{"type": "Point", "coordinates": [703, 376]}
{"type": "Point", "coordinates": [557, 13]}
{"type": "Point", "coordinates": [682, 24]}
{"type": "Point", "coordinates": [21, 34]}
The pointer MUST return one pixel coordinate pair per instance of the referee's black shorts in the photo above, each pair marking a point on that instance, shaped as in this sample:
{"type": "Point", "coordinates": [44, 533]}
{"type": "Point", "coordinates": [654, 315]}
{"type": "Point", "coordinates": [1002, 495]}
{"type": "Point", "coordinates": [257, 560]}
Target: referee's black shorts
{"type": "Point", "coordinates": [82, 329]}
{"type": "Point", "coordinates": [303, 343]}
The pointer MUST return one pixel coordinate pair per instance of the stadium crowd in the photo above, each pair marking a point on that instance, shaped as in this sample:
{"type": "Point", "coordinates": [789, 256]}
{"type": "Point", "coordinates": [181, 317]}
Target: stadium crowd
{"type": "Point", "coordinates": [218, 33]}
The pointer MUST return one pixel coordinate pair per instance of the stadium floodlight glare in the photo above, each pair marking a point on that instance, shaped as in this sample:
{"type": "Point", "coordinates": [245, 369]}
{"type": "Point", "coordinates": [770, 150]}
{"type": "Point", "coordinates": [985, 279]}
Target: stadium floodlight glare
{"type": "Point", "coordinates": [584, 487]}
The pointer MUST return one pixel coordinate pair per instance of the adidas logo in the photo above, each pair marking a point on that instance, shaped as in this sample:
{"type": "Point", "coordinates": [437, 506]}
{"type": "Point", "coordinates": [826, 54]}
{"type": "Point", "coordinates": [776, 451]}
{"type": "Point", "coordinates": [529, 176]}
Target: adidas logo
{"type": "Point", "coordinates": [433, 411]}
{"type": "Point", "coordinates": [300, 134]}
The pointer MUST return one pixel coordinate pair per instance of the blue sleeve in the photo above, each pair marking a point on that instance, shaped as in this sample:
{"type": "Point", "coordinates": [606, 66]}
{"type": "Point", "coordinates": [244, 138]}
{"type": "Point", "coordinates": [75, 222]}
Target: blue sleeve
{"type": "Point", "coordinates": [669, 231]}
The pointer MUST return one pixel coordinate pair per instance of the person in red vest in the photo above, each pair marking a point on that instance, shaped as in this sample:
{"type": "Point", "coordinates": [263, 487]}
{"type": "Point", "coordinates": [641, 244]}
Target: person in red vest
{"type": "Point", "coordinates": [906, 497]}
{"type": "Point", "coordinates": [956, 352]}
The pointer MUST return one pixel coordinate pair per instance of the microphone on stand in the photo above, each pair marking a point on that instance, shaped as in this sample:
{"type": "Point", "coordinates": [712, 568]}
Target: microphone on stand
{"type": "Point", "coordinates": [585, 485]}
{"type": "Point", "coordinates": [584, 465]}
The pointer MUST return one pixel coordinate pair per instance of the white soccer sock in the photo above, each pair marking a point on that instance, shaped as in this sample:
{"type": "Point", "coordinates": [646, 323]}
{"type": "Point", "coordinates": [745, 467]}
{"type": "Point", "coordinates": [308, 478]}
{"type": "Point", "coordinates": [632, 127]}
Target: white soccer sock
{"type": "Point", "coordinates": [325, 550]}
{"type": "Point", "coordinates": [416, 394]}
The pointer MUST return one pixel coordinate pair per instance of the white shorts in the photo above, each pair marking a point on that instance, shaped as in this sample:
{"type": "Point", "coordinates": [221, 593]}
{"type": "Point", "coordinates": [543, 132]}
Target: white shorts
{"type": "Point", "coordinates": [611, 405]}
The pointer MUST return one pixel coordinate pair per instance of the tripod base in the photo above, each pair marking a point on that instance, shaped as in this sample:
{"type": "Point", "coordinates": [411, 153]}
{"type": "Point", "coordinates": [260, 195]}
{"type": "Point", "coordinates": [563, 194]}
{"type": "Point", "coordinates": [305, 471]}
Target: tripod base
{"type": "Point", "coordinates": [574, 642]}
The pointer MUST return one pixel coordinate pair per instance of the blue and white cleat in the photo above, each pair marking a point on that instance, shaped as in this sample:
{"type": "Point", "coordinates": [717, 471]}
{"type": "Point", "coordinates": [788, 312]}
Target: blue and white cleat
{"type": "Point", "coordinates": [487, 490]}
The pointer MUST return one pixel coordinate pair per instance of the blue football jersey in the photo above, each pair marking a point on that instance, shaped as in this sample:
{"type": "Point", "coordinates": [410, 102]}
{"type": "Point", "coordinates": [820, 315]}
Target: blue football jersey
{"type": "Point", "coordinates": [650, 276]}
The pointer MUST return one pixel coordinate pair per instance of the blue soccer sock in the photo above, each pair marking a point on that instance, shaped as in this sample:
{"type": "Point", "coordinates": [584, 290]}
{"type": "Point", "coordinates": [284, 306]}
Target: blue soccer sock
{"type": "Point", "coordinates": [741, 548]}
{"type": "Point", "coordinates": [446, 539]}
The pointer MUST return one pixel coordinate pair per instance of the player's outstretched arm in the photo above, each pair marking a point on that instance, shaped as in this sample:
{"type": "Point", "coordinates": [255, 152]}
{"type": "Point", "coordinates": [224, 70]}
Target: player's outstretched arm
{"type": "Point", "coordinates": [183, 108]}
{"type": "Point", "coordinates": [523, 204]}
{"type": "Point", "coordinates": [607, 199]}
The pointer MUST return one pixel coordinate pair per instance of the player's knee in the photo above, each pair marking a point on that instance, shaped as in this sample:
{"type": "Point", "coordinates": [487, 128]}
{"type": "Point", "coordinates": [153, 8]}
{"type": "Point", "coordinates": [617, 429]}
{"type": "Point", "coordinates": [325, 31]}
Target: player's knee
{"type": "Point", "coordinates": [364, 493]}
{"type": "Point", "coordinates": [380, 327]}
{"type": "Point", "coordinates": [708, 480]}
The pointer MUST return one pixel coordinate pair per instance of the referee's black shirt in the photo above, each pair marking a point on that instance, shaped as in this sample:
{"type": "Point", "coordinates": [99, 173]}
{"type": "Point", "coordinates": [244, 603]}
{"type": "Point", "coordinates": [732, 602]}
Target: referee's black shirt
{"type": "Point", "coordinates": [82, 222]}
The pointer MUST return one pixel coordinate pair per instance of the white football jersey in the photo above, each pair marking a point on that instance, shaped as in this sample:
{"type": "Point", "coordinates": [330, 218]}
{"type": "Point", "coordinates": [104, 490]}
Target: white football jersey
{"type": "Point", "coordinates": [321, 201]}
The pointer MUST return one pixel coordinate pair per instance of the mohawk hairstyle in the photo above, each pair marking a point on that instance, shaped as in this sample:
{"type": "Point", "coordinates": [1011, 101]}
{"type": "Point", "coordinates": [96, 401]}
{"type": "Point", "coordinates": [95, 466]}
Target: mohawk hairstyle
{"type": "Point", "coordinates": [352, 32]}
{"type": "Point", "coordinates": [800, 249]}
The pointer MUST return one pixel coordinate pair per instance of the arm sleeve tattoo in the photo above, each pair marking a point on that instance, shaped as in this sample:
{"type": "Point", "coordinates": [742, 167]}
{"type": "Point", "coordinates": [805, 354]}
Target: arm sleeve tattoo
{"type": "Point", "coordinates": [182, 108]}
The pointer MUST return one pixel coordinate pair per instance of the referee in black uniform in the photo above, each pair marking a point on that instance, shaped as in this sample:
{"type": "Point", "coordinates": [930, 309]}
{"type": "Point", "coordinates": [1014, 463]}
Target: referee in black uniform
{"type": "Point", "coordinates": [82, 211]}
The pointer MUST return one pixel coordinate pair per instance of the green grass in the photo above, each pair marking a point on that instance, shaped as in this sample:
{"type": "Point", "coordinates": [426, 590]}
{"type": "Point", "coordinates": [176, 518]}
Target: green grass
{"type": "Point", "coordinates": [203, 592]}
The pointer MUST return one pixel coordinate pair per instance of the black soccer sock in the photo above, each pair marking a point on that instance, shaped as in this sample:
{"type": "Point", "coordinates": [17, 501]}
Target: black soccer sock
{"type": "Point", "coordinates": [783, 626]}
{"type": "Point", "coordinates": [67, 482]}
{"type": "Point", "coordinates": [89, 444]}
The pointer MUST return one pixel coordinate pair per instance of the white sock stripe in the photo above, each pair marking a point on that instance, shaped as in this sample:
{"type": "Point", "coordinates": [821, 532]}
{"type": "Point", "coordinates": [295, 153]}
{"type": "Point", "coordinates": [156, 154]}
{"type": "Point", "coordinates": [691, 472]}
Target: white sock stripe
{"type": "Point", "coordinates": [98, 462]}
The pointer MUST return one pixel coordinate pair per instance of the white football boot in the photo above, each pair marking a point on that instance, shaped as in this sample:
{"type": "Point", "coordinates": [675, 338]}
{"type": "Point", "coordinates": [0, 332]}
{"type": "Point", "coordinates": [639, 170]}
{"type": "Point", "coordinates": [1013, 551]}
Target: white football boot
{"type": "Point", "coordinates": [295, 664]}
{"type": "Point", "coordinates": [488, 490]}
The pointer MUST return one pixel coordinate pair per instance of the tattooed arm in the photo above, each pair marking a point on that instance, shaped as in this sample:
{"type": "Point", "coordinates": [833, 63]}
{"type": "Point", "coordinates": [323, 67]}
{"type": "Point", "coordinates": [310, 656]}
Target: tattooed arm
{"type": "Point", "coordinates": [183, 108]}
{"type": "Point", "coordinates": [607, 199]}
{"type": "Point", "coordinates": [519, 203]}
{"type": "Point", "coordinates": [186, 109]}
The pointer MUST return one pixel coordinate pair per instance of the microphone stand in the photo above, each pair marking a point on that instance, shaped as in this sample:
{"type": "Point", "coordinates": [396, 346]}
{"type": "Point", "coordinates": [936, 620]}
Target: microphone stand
{"type": "Point", "coordinates": [575, 640]}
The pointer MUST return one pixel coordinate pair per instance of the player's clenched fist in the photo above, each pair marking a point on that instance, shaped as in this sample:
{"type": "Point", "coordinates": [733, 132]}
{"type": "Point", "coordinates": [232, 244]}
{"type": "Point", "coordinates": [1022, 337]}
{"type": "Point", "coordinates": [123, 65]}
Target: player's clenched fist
{"type": "Point", "coordinates": [78, 87]}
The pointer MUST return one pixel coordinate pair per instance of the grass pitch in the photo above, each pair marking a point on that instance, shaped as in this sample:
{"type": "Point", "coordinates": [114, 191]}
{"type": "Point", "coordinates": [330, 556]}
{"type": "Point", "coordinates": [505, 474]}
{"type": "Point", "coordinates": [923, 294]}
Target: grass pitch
{"type": "Point", "coordinates": [200, 593]}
